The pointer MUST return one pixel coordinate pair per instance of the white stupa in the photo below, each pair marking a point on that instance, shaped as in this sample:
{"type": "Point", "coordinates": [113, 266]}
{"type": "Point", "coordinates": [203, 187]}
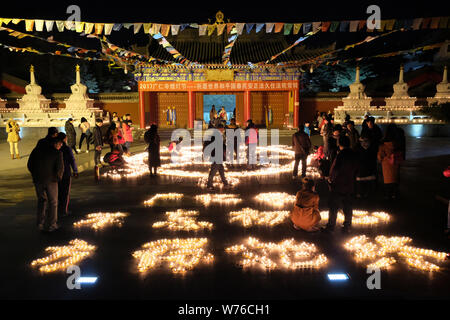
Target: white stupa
{"type": "Point", "coordinates": [442, 90]}
{"type": "Point", "coordinates": [400, 99]}
{"type": "Point", "coordinates": [79, 101]}
{"type": "Point", "coordinates": [33, 101]}
{"type": "Point", "coordinates": [357, 98]}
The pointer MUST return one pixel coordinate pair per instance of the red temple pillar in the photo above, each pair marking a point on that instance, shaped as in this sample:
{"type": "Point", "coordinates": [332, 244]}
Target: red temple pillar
{"type": "Point", "coordinates": [296, 108]}
{"type": "Point", "coordinates": [142, 109]}
{"type": "Point", "coordinates": [191, 109]}
{"type": "Point", "coordinates": [247, 105]}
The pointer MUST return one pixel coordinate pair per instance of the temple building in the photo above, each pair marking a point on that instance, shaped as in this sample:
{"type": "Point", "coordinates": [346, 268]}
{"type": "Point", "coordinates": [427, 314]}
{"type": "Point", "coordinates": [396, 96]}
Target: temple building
{"type": "Point", "coordinates": [179, 96]}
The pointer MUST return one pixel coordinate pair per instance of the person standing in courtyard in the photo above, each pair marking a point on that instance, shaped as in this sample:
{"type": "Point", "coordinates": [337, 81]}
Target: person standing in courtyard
{"type": "Point", "coordinates": [71, 135]}
{"type": "Point", "coordinates": [342, 185]}
{"type": "Point", "coordinates": [372, 131]}
{"type": "Point", "coordinates": [127, 131]}
{"type": "Point", "coordinates": [390, 154]}
{"type": "Point", "coordinates": [46, 166]}
{"type": "Point", "coordinates": [86, 133]}
{"type": "Point", "coordinates": [98, 141]}
{"type": "Point", "coordinates": [326, 132]}
{"type": "Point", "coordinates": [216, 162]}
{"type": "Point", "coordinates": [352, 134]}
{"type": "Point", "coordinates": [301, 145]}
{"type": "Point", "coordinates": [305, 215]}
{"type": "Point", "coordinates": [13, 129]}
{"type": "Point", "coordinates": [65, 183]}
{"type": "Point", "coordinates": [251, 141]}
{"type": "Point", "coordinates": [152, 139]}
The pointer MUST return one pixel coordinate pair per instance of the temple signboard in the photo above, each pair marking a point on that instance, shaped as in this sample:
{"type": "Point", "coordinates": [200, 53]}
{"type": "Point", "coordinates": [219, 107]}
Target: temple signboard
{"type": "Point", "coordinates": [286, 85]}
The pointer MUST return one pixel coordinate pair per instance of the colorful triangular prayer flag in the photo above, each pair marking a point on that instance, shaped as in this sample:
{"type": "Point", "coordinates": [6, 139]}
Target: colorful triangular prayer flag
{"type": "Point", "coordinates": [240, 28]}
{"type": "Point", "coordinates": [174, 28]}
{"type": "Point", "coordinates": [297, 27]}
{"type": "Point", "coordinates": [137, 27]}
{"type": "Point", "coordinates": [287, 28]}
{"type": "Point", "coordinates": [353, 25]}
{"type": "Point", "coordinates": [316, 25]}
{"type": "Point", "coordinates": [249, 27]}
{"type": "Point", "coordinates": [306, 27]}
{"type": "Point", "coordinates": [278, 26]}
{"type": "Point", "coordinates": [434, 23]}
{"type": "Point", "coordinates": [202, 29]}
{"type": "Point", "coordinates": [39, 25]}
{"type": "Point", "coordinates": [108, 28]}
{"type": "Point", "coordinates": [220, 28]}
{"type": "Point", "coordinates": [344, 25]}
{"type": "Point", "coordinates": [49, 25]}
{"type": "Point", "coordinates": [259, 26]}
{"type": "Point", "coordinates": [29, 24]}
{"type": "Point", "coordinates": [269, 27]}
{"type": "Point", "coordinates": [325, 26]}
{"type": "Point", "coordinates": [88, 27]}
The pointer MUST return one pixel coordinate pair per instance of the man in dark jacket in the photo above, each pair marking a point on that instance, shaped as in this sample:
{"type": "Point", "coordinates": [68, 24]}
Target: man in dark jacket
{"type": "Point", "coordinates": [342, 184]}
{"type": "Point", "coordinates": [98, 140]}
{"type": "Point", "coordinates": [216, 162]}
{"type": "Point", "coordinates": [301, 144]}
{"type": "Point", "coordinates": [66, 181]}
{"type": "Point", "coordinates": [71, 135]}
{"type": "Point", "coordinates": [46, 167]}
{"type": "Point", "coordinates": [52, 132]}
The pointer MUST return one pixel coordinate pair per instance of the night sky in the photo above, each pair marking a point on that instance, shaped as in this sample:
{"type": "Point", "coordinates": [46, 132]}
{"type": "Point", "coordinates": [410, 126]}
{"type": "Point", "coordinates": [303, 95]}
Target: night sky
{"type": "Point", "coordinates": [200, 11]}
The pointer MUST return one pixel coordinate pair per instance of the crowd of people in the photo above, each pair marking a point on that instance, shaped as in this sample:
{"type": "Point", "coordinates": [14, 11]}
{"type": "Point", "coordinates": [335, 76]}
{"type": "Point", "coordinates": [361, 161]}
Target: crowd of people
{"type": "Point", "coordinates": [52, 163]}
{"type": "Point", "coordinates": [348, 161]}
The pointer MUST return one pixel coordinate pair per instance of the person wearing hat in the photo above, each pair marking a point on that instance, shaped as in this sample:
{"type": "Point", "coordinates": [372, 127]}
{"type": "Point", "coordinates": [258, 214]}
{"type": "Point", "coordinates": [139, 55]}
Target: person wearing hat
{"type": "Point", "coordinates": [13, 129]}
{"type": "Point", "coordinates": [71, 134]}
{"type": "Point", "coordinates": [305, 215]}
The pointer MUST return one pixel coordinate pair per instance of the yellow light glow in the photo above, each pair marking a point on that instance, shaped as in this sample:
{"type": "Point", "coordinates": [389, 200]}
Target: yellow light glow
{"type": "Point", "coordinates": [361, 217]}
{"type": "Point", "coordinates": [183, 220]}
{"type": "Point", "coordinates": [163, 196]}
{"type": "Point", "coordinates": [218, 198]}
{"type": "Point", "coordinates": [276, 199]}
{"type": "Point", "coordinates": [384, 247]}
{"type": "Point", "coordinates": [100, 220]}
{"type": "Point", "coordinates": [62, 257]}
{"type": "Point", "coordinates": [180, 255]}
{"type": "Point", "coordinates": [248, 217]}
{"type": "Point", "coordinates": [287, 254]}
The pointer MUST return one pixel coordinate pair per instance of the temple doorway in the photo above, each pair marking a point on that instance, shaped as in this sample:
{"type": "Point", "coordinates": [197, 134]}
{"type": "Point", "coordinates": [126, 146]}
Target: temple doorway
{"type": "Point", "coordinates": [228, 101]}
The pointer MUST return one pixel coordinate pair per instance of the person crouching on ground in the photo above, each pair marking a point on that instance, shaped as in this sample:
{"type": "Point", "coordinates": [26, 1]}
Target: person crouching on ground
{"type": "Point", "coordinates": [46, 166]}
{"type": "Point", "coordinates": [13, 129]}
{"type": "Point", "coordinates": [305, 215]}
{"type": "Point", "coordinates": [115, 158]}
{"type": "Point", "coordinates": [65, 183]}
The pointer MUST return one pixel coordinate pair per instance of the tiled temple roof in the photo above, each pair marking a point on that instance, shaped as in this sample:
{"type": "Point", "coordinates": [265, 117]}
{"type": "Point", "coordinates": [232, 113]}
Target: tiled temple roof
{"type": "Point", "coordinates": [251, 47]}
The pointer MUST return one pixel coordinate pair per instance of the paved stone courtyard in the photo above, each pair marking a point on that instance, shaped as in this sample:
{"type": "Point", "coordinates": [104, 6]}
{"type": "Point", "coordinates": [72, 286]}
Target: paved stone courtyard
{"type": "Point", "coordinates": [417, 215]}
